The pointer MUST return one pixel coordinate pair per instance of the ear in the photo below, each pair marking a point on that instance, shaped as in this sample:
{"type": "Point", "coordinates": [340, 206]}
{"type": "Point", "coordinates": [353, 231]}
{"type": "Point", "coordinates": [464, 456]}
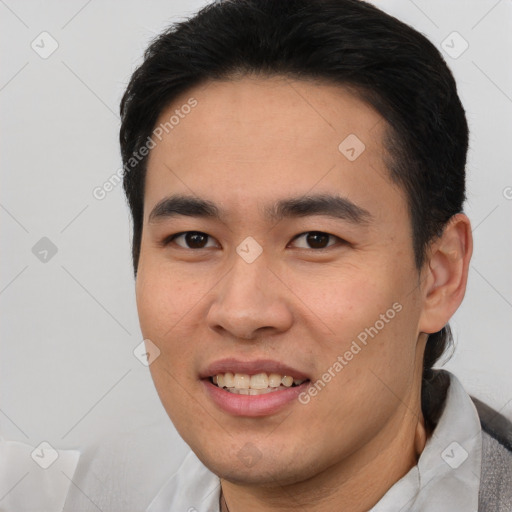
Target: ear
{"type": "Point", "coordinates": [445, 274]}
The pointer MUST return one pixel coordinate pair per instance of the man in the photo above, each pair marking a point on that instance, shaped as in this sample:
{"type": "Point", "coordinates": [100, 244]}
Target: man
{"type": "Point", "coordinates": [295, 172]}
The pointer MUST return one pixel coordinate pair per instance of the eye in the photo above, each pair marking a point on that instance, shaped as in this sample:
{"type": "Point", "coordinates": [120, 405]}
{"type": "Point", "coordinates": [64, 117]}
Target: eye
{"type": "Point", "coordinates": [315, 240]}
{"type": "Point", "coordinates": [191, 240]}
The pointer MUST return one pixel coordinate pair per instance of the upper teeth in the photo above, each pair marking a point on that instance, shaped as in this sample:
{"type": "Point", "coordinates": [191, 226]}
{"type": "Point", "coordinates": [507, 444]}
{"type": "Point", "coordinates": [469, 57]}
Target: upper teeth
{"type": "Point", "coordinates": [258, 381]}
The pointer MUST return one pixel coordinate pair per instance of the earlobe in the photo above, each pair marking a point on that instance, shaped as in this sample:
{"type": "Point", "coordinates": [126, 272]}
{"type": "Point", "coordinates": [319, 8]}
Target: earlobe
{"type": "Point", "coordinates": [444, 284]}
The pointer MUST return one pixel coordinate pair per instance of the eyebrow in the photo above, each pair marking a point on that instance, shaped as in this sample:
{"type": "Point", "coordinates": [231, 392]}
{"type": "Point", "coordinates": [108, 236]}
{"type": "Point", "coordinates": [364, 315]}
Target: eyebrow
{"type": "Point", "coordinates": [321, 204]}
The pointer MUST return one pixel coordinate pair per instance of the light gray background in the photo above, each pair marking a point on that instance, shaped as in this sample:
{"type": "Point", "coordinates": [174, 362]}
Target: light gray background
{"type": "Point", "coordinates": [69, 326]}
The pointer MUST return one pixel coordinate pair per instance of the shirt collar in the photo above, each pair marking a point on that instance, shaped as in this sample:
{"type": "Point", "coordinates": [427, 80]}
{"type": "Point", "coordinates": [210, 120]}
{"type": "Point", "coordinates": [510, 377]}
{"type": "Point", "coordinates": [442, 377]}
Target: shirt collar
{"type": "Point", "coordinates": [446, 478]}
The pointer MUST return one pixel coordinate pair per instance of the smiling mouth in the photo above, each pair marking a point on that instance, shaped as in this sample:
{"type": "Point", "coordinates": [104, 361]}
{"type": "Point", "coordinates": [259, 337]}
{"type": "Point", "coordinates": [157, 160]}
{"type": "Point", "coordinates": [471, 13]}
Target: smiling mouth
{"type": "Point", "coordinates": [258, 384]}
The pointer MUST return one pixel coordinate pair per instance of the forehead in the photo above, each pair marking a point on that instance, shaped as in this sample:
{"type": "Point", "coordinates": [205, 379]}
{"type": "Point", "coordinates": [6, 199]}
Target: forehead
{"type": "Point", "coordinates": [265, 138]}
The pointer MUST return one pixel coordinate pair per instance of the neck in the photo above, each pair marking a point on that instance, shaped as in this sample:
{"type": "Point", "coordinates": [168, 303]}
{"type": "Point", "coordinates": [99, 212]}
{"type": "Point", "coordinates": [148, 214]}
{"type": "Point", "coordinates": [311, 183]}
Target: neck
{"type": "Point", "coordinates": [355, 484]}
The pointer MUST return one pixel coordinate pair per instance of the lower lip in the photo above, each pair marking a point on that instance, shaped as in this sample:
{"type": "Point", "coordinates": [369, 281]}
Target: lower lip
{"type": "Point", "coordinates": [253, 405]}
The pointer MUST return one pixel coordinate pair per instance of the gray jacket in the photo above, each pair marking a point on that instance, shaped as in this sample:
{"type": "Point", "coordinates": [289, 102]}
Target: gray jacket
{"type": "Point", "coordinates": [496, 479]}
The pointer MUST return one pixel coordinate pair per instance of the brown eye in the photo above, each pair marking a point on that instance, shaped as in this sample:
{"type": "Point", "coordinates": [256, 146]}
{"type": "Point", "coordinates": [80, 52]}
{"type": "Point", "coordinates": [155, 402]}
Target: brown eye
{"type": "Point", "coordinates": [192, 240]}
{"type": "Point", "coordinates": [315, 240]}
{"type": "Point", "coordinates": [196, 240]}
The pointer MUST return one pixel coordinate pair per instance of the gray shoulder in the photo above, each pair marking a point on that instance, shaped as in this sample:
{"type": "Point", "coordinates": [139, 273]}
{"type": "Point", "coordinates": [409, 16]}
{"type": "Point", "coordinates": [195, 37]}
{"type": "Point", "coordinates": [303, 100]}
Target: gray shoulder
{"type": "Point", "coordinates": [496, 478]}
{"type": "Point", "coordinates": [494, 423]}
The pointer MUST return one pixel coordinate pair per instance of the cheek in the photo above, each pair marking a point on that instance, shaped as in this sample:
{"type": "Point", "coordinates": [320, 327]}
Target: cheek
{"type": "Point", "coordinates": [153, 305]}
{"type": "Point", "coordinates": [364, 314]}
{"type": "Point", "coordinates": [165, 299]}
{"type": "Point", "coordinates": [170, 305]}
{"type": "Point", "coordinates": [165, 308]}
{"type": "Point", "coordinates": [346, 300]}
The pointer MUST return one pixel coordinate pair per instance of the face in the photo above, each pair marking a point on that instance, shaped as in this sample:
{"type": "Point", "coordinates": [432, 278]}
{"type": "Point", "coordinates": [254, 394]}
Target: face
{"type": "Point", "coordinates": [276, 250]}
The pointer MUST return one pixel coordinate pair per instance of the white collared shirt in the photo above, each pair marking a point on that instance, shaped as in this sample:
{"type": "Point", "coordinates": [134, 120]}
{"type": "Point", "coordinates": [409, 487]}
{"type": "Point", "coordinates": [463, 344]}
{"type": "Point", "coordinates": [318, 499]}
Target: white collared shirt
{"type": "Point", "coordinates": [446, 478]}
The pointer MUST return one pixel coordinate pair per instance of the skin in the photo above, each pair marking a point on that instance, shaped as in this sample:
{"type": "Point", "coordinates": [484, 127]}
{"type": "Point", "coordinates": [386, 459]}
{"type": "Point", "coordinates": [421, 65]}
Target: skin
{"type": "Point", "coordinates": [248, 143]}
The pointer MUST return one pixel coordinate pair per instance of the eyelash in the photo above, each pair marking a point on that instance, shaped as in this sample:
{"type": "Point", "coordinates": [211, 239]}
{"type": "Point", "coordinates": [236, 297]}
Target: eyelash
{"type": "Point", "coordinates": [168, 240]}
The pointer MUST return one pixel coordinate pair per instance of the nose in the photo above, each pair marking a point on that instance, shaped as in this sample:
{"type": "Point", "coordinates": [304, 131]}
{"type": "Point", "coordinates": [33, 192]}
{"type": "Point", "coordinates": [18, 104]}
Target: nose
{"type": "Point", "coordinates": [250, 301]}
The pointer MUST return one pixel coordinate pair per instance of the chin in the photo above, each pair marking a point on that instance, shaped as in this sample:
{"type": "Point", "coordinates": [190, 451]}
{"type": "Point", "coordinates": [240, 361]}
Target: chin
{"type": "Point", "coordinates": [263, 475]}
{"type": "Point", "coordinates": [250, 466]}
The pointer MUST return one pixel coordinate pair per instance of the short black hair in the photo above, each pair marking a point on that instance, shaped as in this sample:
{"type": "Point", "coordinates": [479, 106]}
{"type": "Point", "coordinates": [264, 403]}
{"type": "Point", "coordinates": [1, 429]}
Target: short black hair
{"type": "Point", "coordinates": [350, 43]}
